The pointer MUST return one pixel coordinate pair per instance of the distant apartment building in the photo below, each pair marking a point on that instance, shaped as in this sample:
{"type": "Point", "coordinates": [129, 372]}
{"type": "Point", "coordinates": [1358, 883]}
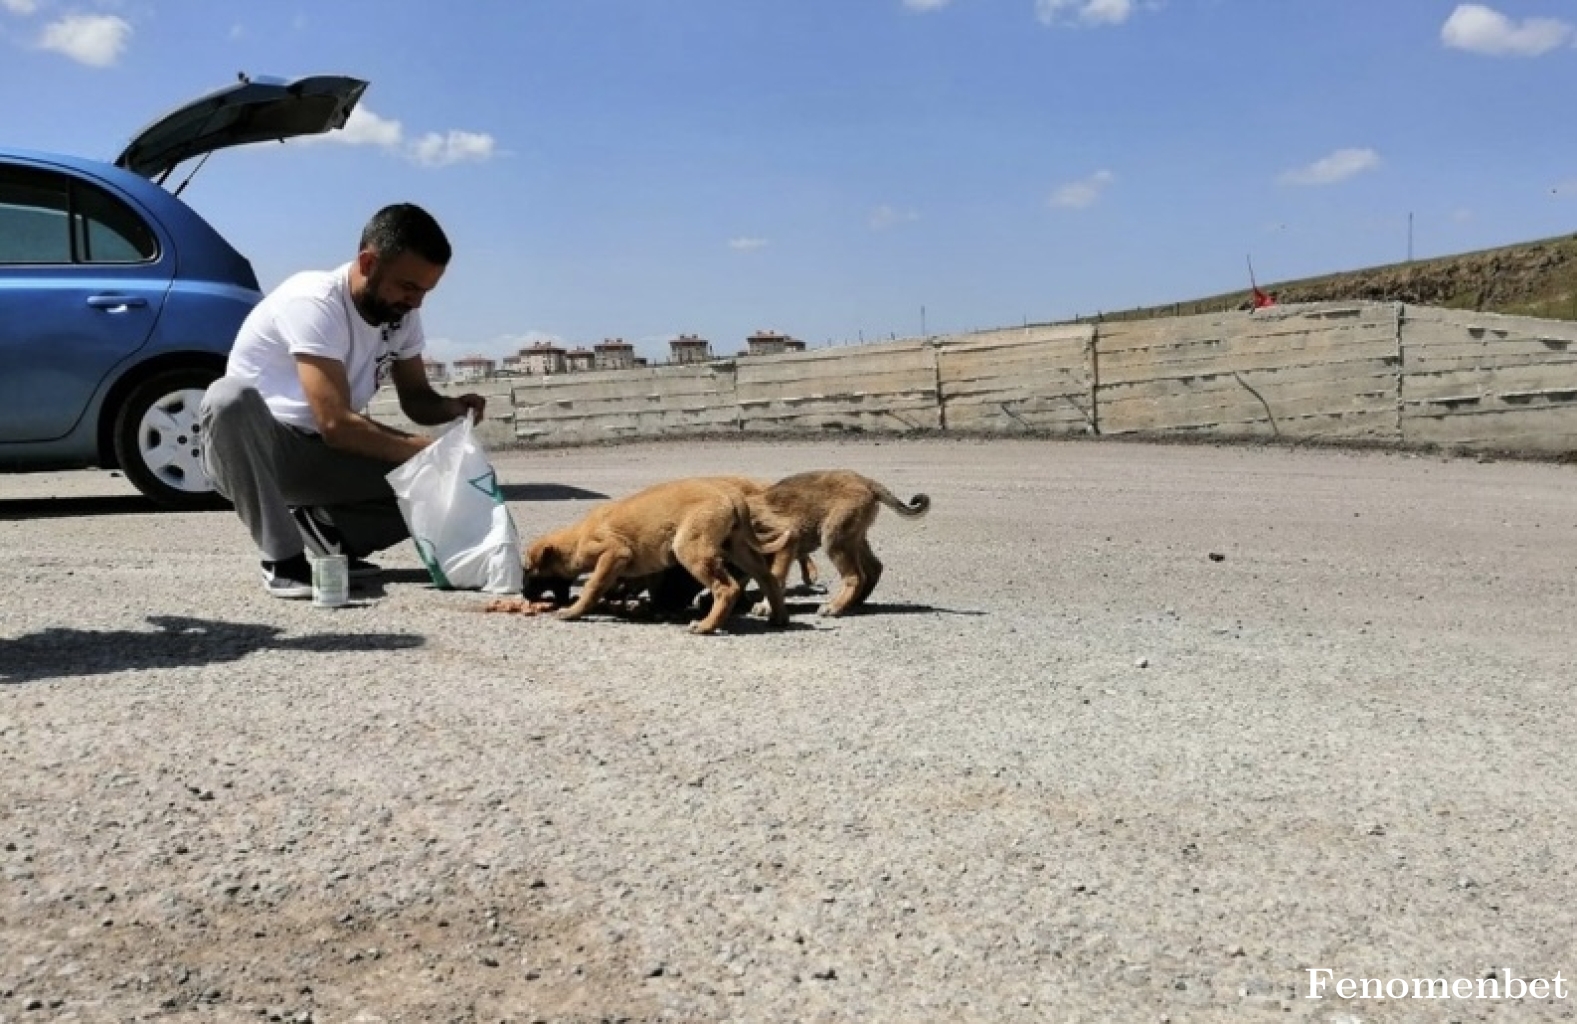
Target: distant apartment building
{"type": "Point", "coordinates": [469, 368]}
{"type": "Point", "coordinates": [772, 343]}
{"type": "Point", "coordinates": [689, 348]}
{"type": "Point", "coordinates": [537, 360]}
{"type": "Point", "coordinates": [613, 354]}
{"type": "Point", "coordinates": [437, 372]}
{"type": "Point", "coordinates": [580, 358]}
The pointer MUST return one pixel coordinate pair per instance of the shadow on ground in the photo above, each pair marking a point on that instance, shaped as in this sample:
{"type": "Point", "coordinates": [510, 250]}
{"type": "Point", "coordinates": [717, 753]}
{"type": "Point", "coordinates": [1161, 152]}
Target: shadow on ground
{"type": "Point", "coordinates": [176, 641]}
{"type": "Point", "coordinates": [547, 492]}
{"type": "Point", "coordinates": [15, 509]}
{"type": "Point", "coordinates": [56, 508]}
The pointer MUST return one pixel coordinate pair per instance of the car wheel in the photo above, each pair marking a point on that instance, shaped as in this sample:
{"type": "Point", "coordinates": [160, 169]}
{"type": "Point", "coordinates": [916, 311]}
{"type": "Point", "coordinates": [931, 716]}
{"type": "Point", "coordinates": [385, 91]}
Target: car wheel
{"type": "Point", "coordinates": [156, 439]}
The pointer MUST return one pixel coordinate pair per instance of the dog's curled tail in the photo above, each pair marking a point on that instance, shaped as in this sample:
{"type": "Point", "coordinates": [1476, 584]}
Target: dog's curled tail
{"type": "Point", "coordinates": [917, 506]}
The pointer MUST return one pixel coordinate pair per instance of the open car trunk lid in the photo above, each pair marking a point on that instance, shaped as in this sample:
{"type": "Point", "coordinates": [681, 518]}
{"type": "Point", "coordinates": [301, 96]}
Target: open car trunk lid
{"type": "Point", "coordinates": [250, 110]}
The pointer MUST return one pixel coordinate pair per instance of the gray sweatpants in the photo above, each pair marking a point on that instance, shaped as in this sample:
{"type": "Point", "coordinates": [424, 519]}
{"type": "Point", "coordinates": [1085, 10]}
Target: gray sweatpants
{"type": "Point", "coordinates": [263, 467]}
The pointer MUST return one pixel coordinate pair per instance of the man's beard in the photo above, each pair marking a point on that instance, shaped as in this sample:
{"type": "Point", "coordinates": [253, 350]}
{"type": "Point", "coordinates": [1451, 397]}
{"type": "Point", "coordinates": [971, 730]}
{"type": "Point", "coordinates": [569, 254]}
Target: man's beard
{"type": "Point", "coordinates": [376, 310]}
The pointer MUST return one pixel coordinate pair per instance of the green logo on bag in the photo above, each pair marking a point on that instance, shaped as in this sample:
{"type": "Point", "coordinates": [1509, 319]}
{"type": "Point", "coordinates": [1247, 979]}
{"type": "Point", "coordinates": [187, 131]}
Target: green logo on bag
{"type": "Point", "coordinates": [426, 554]}
{"type": "Point", "coordinates": [487, 483]}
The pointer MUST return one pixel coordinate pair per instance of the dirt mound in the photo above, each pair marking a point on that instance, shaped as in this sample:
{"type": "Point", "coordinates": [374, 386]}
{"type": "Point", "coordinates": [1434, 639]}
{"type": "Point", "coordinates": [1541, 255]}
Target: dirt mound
{"type": "Point", "coordinates": [1531, 279]}
{"type": "Point", "coordinates": [1537, 279]}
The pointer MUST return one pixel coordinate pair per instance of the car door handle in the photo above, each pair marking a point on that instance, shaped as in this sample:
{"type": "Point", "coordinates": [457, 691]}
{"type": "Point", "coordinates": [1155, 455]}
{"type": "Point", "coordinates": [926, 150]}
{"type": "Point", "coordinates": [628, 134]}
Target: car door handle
{"type": "Point", "coordinates": [116, 302]}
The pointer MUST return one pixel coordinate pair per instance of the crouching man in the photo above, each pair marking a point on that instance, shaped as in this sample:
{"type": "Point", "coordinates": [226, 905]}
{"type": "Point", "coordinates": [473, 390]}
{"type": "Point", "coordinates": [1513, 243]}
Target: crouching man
{"type": "Point", "coordinates": [285, 435]}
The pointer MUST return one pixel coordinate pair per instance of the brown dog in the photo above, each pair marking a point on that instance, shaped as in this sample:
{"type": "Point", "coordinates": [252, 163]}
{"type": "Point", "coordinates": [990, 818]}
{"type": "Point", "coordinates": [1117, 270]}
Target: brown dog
{"type": "Point", "coordinates": [832, 509]}
{"type": "Point", "coordinates": [701, 523]}
{"type": "Point", "coordinates": [807, 566]}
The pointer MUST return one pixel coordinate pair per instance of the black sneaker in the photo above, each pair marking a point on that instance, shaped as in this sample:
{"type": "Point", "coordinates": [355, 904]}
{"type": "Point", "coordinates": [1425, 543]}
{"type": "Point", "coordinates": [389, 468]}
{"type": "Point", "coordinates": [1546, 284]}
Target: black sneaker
{"type": "Point", "coordinates": [361, 569]}
{"type": "Point", "coordinates": [318, 531]}
{"type": "Point", "coordinates": [291, 578]}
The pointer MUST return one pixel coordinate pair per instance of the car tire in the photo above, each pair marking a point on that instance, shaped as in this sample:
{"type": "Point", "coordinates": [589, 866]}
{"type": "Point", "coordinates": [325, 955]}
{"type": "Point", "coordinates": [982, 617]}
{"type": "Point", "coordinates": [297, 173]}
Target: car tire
{"type": "Point", "coordinates": [156, 439]}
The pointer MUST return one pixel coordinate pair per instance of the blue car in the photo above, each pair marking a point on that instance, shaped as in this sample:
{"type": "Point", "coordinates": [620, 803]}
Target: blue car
{"type": "Point", "coordinates": [118, 303]}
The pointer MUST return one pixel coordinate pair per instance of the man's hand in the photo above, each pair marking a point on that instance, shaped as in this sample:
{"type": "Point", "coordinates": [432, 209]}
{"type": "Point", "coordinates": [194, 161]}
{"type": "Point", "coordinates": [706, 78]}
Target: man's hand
{"type": "Point", "coordinates": [476, 405]}
{"type": "Point", "coordinates": [426, 407]}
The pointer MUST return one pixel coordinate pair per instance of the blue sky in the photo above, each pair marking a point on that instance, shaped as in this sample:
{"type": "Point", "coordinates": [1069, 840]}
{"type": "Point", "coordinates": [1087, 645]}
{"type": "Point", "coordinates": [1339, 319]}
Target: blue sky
{"type": "Point", "coordinates": [842, 170]}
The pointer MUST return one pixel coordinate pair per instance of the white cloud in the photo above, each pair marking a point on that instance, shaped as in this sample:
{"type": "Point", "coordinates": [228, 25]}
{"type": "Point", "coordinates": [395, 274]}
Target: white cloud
{"type": "Point", "coordinates": [434, 149]}
{"type": "Point", "coordinates": [747, 244]}
{"type": "Point", "coordinates": [887, 217]}
{"type": "Point", "coordinates": [926, 5]}
{"type": "Point", "coordinates": [1480, 29]}
{"type": "Point", "coordinates": [1339, 166]}
{"type": "Point", "coordinates": [1086, 12]}
{"type": "Point", "coordinates": [1076, 195]}
{"type": "Point", "coordinates": [20, 7]}
{"type": "Point", "coordinates": [451, 147]}
{"type": "Point", "coordinates": [364, 128]}
{"type": "Point", "coordinates": [93, 39]}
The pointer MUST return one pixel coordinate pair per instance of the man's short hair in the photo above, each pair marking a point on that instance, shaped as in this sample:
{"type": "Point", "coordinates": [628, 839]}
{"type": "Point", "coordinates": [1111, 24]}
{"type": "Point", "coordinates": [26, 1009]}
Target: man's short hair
{"type": "Point", "coordinates": [406, 227]}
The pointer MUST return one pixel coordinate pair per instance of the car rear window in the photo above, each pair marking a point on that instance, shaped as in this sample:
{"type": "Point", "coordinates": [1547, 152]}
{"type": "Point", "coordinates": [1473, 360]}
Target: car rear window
{"type": "Point", "coordinates": [48, 218]}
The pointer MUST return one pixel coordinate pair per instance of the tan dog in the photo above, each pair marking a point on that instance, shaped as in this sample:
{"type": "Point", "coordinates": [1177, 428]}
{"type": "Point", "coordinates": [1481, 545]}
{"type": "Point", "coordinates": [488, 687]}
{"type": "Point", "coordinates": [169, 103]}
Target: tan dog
{"type": "Point", "coordinates": [701, 523]}
{"type": "Point", "coordinates": [832, 509]}
{"type": "Point", "coordinates": [807, 566]}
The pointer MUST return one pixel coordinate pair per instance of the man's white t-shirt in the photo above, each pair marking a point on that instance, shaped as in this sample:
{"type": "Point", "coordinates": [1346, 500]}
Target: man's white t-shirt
{"type": "Point", "coordinates": [311, 313]}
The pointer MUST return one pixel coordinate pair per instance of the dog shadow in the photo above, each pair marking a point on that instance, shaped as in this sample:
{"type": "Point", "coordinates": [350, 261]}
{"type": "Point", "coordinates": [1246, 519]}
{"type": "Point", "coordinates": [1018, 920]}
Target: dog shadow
{"type": "Point", "coordinates": [871, 608]}
{"type": "Point", "coordinates": [813, 608]}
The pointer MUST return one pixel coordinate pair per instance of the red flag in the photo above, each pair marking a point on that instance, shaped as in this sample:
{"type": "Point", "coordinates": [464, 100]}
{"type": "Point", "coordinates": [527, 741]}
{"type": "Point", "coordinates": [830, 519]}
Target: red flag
{"type": "Point", "coordinates": [1262, 299]}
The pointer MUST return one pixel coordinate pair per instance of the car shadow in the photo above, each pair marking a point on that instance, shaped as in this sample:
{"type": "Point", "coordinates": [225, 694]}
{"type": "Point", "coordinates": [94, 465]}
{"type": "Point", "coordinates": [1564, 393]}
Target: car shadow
{"type": "Point", "coordinates": [16, 509]}
{"type": "Point", "coordinates": [547, 492]}
{"type": "Point", "coordinates": [176, 642]}
{"type": "Point", "coordinates": [55, 508]}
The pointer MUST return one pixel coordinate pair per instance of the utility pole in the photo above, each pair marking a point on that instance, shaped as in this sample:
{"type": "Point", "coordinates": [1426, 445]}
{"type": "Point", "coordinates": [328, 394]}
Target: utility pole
{"type": "Point", "coordinates": [1409, 236]}
{"type": "Point", "coordinates": [922, 321]}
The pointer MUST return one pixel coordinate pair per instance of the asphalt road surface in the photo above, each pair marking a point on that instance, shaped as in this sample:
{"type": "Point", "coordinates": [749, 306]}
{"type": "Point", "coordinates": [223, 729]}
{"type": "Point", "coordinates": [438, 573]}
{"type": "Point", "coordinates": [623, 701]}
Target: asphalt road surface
{"type": "Point", "coordinates": [1129, 733]}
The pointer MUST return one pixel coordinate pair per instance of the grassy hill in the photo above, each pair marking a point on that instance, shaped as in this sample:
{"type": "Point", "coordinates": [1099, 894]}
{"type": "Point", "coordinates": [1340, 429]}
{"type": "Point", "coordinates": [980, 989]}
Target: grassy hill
{"type": "Point", "coordinates": [1529, 279]}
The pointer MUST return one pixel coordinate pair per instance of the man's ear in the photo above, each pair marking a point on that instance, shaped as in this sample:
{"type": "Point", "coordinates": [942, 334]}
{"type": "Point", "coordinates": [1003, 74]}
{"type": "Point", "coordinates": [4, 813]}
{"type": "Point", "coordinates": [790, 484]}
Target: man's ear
{"type": "Point", "coordinates": [366, 260]}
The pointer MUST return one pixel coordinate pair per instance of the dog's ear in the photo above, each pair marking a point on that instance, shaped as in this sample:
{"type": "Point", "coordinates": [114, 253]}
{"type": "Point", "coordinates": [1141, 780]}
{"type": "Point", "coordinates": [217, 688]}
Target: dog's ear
{"type": "Point", "coordinates": [546, 557]}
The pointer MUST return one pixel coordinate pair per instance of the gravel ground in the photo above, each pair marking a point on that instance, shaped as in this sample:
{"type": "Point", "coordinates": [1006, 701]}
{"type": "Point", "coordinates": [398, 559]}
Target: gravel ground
{"type": "Point", "coordinates": [1130, 733]}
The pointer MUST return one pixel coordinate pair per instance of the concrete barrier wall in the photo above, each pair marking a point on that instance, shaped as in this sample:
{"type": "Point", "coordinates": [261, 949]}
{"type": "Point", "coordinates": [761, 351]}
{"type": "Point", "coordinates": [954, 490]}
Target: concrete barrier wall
{"type": "Point", "coordinates": [1356, 372]}
{"type": "Point", "coordinates": [1477, 380]}
{"type": "Point", "coordinates": [603, 405]}
{"type": "Point", "coordinates": [888, 387]}
{"type": "Point", "coordinates": [1033, 379]}
{"type": "Point", "coordinates": [1307, 372]}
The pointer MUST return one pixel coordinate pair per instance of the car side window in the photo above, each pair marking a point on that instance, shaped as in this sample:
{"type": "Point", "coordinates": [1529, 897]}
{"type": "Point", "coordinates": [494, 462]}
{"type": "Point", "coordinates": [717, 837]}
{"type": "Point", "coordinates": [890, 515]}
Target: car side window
{"type": "Point", "coordinates": [49, 218]}
{"type": "Point", "coordinates": [35, 217]}
{"type": "Point", "coordinates": [109, 231]}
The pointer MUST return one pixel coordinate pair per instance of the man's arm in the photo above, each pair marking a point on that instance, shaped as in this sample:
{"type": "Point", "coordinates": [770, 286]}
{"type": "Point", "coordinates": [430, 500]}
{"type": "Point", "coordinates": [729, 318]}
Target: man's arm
{"type": "Point", "coordinates": [421, 404]}
{"type": "Point", "coordinates": [327, 391]}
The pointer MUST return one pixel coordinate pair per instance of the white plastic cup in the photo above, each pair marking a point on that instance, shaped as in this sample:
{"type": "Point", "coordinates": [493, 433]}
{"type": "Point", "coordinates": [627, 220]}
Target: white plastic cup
{"type": "Point", "coordinates": [330, 581]}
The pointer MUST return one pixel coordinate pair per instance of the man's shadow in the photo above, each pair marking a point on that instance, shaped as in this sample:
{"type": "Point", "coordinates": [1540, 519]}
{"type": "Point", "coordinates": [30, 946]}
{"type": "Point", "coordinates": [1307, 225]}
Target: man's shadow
{"type": "Point", "coordinates": [177, 642]}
